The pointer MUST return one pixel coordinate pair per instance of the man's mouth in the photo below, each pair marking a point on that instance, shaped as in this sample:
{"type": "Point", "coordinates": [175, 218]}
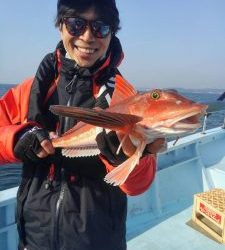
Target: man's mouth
{"type": "Point", "coordinates": [86, 50]}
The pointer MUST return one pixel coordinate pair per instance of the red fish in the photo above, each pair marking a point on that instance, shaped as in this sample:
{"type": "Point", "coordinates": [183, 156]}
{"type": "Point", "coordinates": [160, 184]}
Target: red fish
{"type": "Point", "coordinates": [143, 117]}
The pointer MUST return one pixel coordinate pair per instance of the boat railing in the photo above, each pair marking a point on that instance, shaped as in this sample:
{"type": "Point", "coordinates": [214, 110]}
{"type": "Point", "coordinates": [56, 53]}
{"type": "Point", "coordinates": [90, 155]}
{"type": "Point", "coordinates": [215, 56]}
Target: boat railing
{"type": "Point", "coordinates": [8, 230]}
{"type": "Point", "coordinates": [207, 114]}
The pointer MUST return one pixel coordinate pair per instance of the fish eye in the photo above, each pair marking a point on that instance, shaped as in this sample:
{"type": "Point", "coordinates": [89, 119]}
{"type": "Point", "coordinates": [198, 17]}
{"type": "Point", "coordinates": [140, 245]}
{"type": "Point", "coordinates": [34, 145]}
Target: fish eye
{"type": "Point", "coordinates": [155, 95]}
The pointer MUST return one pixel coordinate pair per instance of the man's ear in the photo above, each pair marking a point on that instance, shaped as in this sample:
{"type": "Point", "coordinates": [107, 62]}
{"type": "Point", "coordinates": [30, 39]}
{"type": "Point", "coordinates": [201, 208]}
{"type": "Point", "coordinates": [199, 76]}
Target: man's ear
{"type": "Point", "coordinates": [61, 30]}
{"type": "Point", "coordinates": [60, 26]}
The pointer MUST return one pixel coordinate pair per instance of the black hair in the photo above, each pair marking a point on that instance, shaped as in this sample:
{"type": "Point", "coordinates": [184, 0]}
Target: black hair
{"type": "Point", "coordinates": [105, 9]}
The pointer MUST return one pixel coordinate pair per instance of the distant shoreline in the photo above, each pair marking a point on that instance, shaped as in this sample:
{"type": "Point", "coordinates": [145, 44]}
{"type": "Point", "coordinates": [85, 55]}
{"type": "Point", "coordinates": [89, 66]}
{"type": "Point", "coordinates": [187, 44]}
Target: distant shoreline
{"type": "Point", "coordinates": [181, 90]}
{"type": "Point", "coordinates": [7, 84]}
{"type": "Point", "coordinates": [186, 90]}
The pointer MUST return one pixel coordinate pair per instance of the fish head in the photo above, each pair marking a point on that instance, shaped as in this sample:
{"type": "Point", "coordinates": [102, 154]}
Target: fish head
{"type": "Point", "coordinates": [168, 113]}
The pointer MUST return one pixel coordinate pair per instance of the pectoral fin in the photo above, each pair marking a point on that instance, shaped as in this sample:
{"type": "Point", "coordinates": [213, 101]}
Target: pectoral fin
{"type": "Point", "coordinates": [80, 152]}
{"type": "Point", "coordinates": [100, 118]}
{"type": "Point", "coordinates": [120, 174]}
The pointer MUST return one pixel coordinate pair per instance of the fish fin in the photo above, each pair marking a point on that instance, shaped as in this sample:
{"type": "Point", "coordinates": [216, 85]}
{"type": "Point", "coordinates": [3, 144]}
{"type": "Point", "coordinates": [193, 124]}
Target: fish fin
{"type": "Point", "coordinates": [122, 91]}
{"type": "Point", "coordinates": [74, 128]}
{"type": "Point", "coordinates": [66, 141]}
{"type": "Point", "coordinates": [120, 174]}
{"type": "Point", "coordinates": [122, 142]}
{"type": "Point", "coordinates": [80, 152]}
{"type": "Point", "coordinates": [100, 118]}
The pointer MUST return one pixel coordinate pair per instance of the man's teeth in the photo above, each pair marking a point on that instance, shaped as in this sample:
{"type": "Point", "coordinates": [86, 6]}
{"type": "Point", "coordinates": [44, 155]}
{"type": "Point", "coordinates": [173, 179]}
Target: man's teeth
{"type": "Point", "coordinates": [86, 50]}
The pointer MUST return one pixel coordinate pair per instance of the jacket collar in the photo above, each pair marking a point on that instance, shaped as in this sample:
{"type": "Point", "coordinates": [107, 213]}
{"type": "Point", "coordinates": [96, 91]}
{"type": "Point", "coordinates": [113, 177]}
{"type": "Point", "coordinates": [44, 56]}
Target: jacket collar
{"type": "Point", "coordinates": [111, 61]}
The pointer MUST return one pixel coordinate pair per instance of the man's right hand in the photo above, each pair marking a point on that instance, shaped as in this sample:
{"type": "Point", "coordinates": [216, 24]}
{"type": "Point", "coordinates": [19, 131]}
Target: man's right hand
{"type": "Point", "coordinates": [34, 145]}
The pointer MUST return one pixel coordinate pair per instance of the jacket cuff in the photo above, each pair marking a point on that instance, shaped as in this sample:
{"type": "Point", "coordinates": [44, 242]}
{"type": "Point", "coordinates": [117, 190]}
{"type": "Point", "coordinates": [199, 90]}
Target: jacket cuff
{"type": "Point", "coordinates": [9, 140]}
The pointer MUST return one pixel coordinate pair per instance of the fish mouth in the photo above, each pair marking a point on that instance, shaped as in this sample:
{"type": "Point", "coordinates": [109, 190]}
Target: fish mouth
{"type": "Point", "coordinates": [188, 122]}
{"type": "Point", "coordinates": [180, 125]}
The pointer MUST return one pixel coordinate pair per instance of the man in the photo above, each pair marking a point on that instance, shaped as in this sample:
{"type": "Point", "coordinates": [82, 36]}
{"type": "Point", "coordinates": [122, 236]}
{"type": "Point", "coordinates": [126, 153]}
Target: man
{"type": "Point", "coordinates": [63, 203]}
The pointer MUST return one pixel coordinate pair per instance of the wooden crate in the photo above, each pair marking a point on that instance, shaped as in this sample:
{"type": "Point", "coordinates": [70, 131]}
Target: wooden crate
{"type": "Point", "coordinates": [209, 212]}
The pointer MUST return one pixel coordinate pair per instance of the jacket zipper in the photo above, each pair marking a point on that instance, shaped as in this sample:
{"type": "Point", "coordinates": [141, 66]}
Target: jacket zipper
{"type": "Point", "coordinates": [57, 211]}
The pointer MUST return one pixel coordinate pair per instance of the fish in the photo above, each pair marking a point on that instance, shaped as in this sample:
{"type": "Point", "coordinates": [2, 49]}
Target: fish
{"type": "Point", "coordinates": [142, 117]}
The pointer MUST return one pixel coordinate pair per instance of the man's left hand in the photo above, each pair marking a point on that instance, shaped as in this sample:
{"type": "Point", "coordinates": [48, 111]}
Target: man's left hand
{"type": "Point", "coordinates": [157, 146]}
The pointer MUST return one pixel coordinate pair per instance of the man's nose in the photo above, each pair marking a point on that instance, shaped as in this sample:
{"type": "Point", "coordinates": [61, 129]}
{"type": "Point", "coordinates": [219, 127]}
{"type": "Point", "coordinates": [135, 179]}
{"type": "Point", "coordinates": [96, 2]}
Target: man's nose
{"type": "Point", "coordinates": [88, 35]}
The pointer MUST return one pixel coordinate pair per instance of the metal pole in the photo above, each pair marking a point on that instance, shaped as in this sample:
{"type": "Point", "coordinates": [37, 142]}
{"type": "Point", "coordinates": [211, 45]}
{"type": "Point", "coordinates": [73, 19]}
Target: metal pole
{"type": "Point", "coordinates": [204, 123]}
{"type": "Point", "coordinates": [223, 123]}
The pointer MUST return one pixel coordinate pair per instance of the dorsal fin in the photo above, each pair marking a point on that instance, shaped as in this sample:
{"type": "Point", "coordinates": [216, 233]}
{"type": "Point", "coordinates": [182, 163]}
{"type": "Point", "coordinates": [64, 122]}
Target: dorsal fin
{"type": "Point", "coordinates": [99, 118]}
{"type": "Point", "coordinates": [74, 128]}
{"type": "Point", "coordinates": [122, 91]}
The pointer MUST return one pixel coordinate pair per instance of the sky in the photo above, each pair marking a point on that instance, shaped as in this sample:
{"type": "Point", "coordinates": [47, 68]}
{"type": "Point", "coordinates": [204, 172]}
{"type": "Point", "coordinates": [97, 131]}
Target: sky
{"type": "Point", "coordinates": [167, 43]}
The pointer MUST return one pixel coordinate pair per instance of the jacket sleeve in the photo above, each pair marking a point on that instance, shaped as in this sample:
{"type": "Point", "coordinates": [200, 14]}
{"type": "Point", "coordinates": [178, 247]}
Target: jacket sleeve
{"type": "Point", "coordinates": [13, 110]}
{"type": "Point", "coordinates": [141, 177]}
{"type": "Point", "coordinates": [14, 107]}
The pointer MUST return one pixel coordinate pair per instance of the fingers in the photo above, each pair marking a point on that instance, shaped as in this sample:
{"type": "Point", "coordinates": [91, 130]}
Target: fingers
{"type": "Point", "coordinates": [47, 149]}
{"type": "Point", "coordinates": [42, 154]}
{"type": "Point", "coordinates": [157, 146]}
{"type": "Point", "coordinates": [47, 146]}
{"type": "Point", "coordinates": [159, 142]}
{"type": "Point", "coordinates": [53, 135]}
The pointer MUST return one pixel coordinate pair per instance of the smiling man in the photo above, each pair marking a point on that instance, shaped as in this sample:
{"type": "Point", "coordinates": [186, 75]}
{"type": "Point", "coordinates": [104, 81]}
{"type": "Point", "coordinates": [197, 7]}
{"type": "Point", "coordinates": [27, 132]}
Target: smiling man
{"type": "Point", "coordinates": [90, 43]}
{"type": "Point", "coordinates": [63, 203]}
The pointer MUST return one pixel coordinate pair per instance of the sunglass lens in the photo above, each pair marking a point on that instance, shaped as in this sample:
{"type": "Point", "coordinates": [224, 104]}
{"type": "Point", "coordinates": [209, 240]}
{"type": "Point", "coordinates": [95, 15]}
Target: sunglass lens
{"type": "Point", "coordinates": [75, 26]}
{"type": "Point", "coordinates": [100, 29]}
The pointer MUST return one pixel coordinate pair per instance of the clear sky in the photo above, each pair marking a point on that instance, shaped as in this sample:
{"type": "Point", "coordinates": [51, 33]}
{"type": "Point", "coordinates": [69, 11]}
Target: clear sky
{"type": "Point", "coordinates": [167, 43]}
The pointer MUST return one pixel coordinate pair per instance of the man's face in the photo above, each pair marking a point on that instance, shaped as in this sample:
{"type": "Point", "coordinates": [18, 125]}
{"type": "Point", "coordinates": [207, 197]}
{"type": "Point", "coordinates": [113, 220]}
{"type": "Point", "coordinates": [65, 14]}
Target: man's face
{"type": "Point", "coordinates": [85, 49]}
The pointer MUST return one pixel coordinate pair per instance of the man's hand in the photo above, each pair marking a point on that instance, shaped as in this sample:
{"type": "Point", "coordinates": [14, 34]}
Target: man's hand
{"type": "Point", "coordinates": [157, 146]}
{"type": "Point", "coordinates": [47, 147]}
{"type": "Point", "coordinates": [34, 145]}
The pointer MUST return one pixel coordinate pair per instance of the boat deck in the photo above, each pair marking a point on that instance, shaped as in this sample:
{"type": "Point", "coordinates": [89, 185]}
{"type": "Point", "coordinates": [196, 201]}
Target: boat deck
{"type": "Point", "coordinates": [177, 232]}
{"type": "Point", "coordinates": [160, 219]}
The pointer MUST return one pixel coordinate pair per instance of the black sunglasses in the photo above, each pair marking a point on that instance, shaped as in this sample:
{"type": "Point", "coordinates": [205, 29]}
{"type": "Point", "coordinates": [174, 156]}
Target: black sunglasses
{"type": "Point", "coordinates": [76, 26]}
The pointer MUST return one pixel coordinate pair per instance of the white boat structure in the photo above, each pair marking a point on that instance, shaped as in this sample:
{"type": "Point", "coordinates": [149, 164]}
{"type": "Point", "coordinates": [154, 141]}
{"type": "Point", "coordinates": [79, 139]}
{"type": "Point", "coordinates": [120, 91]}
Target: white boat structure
{"type": "Point", "coordinates": [160, 219]}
